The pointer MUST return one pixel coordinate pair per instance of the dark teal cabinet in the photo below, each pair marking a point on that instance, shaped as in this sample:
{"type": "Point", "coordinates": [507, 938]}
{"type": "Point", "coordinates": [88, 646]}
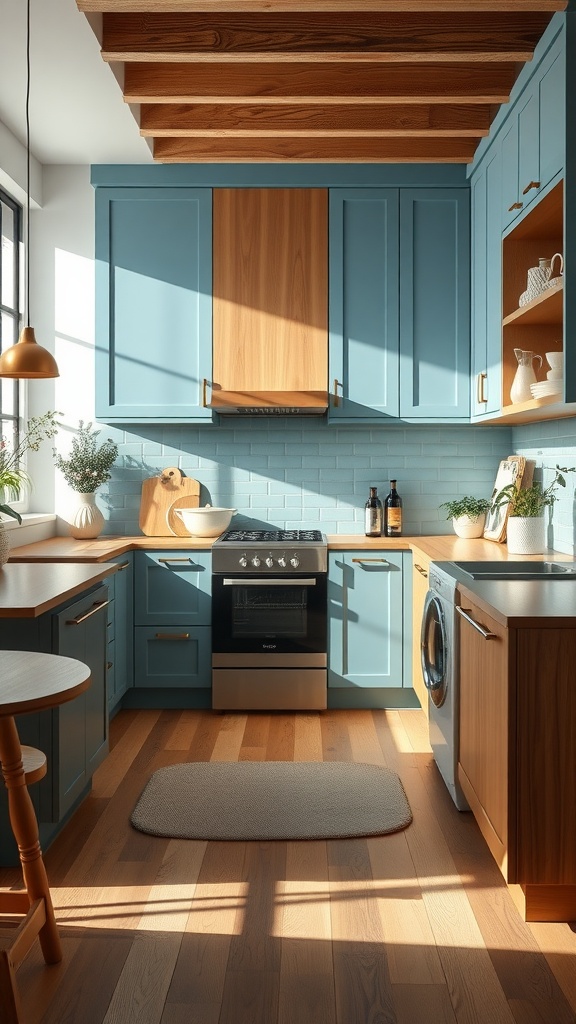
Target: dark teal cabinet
{"type": "Point", "coordinates": [74, 736]}
{"type": "Point", "coordinates": [399, 304]}
{"type": "Point", "coordinates": [120, 647]}
{"type": "Point", "coordinates": [153, 304]}
{"type": "Point", "coordinates": [366, 649]}
{"type": "Point", "coordinates": [172, 615]}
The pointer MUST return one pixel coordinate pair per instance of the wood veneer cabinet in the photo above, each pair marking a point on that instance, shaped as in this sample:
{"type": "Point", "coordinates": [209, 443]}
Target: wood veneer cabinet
{"type": "Point", "coordinates": [270, 295]}
{"type": "Point", "coordinates": [518, 751]}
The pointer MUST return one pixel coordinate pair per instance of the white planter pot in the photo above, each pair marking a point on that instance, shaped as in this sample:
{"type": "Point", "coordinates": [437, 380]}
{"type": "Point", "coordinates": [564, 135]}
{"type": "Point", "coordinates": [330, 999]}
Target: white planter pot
{"type": "Point", "coordinates": [88, 521]}
{"type": "Point", "coordinates": [525, 536]}
{"type": "Point", "coordinates": [466, 526]}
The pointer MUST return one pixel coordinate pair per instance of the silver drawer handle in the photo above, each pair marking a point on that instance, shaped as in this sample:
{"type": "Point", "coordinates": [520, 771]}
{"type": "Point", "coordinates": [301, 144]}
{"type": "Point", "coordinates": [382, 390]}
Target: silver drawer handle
{"type": "Point", "coordinates": [263, 582]}
{"type": "Point", "coordinates": [481, 629]}
{"type": "Point", "coordinates": [125, 565]}
{"type": "Point", "coordinates": [361, 561]}
{"type": "Point", "coordinates": [82, 618]}
{"type": "Point", "coordinates": [166, 561]}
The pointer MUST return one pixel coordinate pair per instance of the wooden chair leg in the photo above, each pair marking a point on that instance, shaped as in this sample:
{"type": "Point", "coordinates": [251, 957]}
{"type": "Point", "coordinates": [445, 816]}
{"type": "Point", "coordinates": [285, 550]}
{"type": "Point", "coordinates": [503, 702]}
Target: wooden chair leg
{"type": "Point", "coordinates": [25, 829]}
{"type": "Point", "coordinates": [9, 997]}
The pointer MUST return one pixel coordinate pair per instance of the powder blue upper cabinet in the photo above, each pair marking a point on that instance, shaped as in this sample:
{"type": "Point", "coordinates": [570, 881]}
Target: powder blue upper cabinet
{"type": "Point", "coordinates": [533, 137]}
{"type": "Point", "coordinates": [154, 305]}
{"type": "Point", "coordinates": [486, 200]}
{"type": "Point", "coordinates": [435, 304]}
{"type": "Point", "coordinates": [399, 304]}
{"type": "Point", "coordinates": [363, 315]}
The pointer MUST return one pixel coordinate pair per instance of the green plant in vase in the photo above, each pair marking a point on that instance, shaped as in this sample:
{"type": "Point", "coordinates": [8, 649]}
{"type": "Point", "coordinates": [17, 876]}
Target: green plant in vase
{"type": "Point", "coordinates": [468, 515]}
{"type": "Point", "coordinates": [14, 479]}
{"type": "Point", "coordinates": [526, 505]}
{"type": "Point", "coordinates": [85, 468]}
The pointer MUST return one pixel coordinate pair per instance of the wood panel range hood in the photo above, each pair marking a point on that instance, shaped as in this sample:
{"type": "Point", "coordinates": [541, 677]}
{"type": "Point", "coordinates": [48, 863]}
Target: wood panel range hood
{"type": "Point", "coordinates": [270, 301]}
{"type": "Point", "coordinates": [379, 81]}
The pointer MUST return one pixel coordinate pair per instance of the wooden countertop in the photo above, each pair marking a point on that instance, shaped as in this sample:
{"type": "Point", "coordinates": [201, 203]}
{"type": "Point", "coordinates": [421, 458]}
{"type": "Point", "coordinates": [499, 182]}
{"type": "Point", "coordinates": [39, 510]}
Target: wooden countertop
{"type": "Point", "coordinates": [32, 588]}
{"type": "Point", "coordinates": [40, 576]}
{"type": "Point", "coordinates": [439, 548]}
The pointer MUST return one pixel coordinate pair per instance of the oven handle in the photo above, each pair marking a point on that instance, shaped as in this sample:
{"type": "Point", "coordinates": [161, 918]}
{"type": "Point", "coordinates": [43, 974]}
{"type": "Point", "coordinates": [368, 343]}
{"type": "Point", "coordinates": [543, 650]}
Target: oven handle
{"type": "Point", "coordinates": [263, 582]}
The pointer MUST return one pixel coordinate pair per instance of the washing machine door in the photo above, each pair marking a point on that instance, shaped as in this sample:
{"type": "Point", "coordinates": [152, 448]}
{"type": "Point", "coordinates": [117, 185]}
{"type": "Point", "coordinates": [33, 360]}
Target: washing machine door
{"type": "Point", "coordinates": [434, 649]}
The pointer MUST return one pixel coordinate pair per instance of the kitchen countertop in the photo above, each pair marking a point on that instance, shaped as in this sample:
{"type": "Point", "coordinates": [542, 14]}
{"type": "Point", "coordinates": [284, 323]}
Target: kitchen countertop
{"type": "Point", "coordinates": [39, 576]}
{"type": "Point", "coordinates": [30, 589]}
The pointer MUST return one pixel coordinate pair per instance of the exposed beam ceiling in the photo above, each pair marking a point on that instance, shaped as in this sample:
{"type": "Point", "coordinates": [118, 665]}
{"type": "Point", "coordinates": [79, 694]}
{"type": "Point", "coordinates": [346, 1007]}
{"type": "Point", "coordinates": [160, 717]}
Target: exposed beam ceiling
{"type": "Point", "coordinates": [319, 80]}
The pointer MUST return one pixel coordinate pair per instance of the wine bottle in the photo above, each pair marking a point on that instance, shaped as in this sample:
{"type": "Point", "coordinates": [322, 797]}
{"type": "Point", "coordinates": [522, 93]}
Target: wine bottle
{"type": "Point", "coordinates": [373, 514]}
{"type": "Point", "coordinates": [393, 513]}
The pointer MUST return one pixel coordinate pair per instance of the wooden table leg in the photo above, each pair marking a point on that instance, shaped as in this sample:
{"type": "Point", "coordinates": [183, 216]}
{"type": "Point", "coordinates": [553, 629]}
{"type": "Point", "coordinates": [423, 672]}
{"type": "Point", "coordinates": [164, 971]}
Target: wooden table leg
{"type": "Point", "coordinates": [25, 829]}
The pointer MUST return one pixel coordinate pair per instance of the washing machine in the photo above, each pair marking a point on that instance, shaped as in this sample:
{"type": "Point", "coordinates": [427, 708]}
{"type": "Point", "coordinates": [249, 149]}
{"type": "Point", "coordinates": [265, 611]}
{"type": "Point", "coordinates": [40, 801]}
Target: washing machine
{"type": "Point", "coordinates": [440, 669]}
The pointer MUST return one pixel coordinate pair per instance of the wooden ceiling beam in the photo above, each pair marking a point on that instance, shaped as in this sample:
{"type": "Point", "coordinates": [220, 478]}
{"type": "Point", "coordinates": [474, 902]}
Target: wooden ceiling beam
{"type": "Point", "coordinates": [318, 150]}
{"type": "Point", "coordinates": [317, 36]}
{"type": "Point", "coordinates": [302, 83]}
{"type": "Point", "coordinates": [443, 121]}
{"type": "Point", "coordinates": [289, 6]}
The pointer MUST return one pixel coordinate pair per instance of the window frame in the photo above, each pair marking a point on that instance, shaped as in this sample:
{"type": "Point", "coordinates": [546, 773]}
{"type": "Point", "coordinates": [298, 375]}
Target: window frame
{"type": "Point", "coordinates": [11, 423]}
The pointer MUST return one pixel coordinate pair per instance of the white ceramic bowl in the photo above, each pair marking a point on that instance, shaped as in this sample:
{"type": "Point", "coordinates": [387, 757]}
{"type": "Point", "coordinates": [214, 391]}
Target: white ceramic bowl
{"type": "Point", "coordinates": [207, 521]}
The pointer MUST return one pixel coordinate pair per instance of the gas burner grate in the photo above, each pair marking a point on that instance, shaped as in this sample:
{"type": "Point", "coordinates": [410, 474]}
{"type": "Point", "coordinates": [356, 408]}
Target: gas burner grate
{"type": "Point", "coordinates": [273, 536]}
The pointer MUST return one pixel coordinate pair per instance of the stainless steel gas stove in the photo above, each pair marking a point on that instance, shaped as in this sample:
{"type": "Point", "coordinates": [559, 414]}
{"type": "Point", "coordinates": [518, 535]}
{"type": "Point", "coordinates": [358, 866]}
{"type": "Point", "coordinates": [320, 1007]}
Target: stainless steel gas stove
{"type": "Point", "coordinates": [269, 620]}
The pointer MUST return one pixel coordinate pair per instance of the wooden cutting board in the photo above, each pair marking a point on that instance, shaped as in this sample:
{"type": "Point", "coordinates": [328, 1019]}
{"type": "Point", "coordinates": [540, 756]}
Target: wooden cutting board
{"type": "Point", "coordinates": [159, 494]}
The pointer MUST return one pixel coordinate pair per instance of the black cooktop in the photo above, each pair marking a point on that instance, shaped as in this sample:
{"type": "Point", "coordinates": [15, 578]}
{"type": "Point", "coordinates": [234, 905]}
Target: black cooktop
{"type": "Point", "coordinates": [272, 537]}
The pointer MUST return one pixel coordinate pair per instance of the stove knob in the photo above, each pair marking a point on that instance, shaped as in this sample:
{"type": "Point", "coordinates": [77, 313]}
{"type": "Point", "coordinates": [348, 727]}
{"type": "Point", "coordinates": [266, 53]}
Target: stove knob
{"type": "Point", "coordinates": [269, 561]}
{"type": "Point", "coordinates": [255, 561]}
{"type": "Point", "coordinates": [282, 562]}
{"type": "Point", "coordinates": [294, 561]}
{"type": "Point", "coordinates": [243, 561]}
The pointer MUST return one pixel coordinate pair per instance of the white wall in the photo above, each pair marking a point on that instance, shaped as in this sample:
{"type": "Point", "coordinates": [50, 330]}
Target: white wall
{"type": "Point", "coordinates": [62, 307]}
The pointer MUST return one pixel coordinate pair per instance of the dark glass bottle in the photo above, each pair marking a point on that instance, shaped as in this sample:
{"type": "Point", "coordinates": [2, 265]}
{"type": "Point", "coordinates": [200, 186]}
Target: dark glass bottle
{"type": "Point", "coordinates": [393, 513]}
{"type": "Point", "coordinates": [373, 514]}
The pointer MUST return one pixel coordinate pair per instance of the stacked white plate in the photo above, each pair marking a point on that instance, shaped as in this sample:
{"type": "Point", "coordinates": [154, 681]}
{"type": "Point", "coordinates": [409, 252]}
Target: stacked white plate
{"type": "Point", "coordinates": [543, 388]}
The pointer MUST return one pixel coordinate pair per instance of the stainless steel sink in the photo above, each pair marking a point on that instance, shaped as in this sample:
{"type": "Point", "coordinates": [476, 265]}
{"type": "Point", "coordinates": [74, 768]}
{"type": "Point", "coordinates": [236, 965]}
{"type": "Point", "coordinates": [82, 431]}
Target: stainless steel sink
{"type": "Point", "coordinates": [518, 570]}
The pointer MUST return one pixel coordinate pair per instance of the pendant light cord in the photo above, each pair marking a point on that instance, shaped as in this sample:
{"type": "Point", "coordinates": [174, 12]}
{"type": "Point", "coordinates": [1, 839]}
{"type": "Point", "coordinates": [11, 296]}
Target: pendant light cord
{"type": "Point", "coordinates": [27, 253]}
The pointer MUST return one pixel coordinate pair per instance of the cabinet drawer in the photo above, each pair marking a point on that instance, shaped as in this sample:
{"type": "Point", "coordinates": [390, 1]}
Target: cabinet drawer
{"type": "Point", "coordinates": [172, 656]}
{"type": "Point", "coordinates": [172, 588]}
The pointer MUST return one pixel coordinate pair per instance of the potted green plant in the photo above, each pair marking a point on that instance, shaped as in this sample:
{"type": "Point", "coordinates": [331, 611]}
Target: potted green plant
{"type": "Point", "coordinates": [13, 477]}
{"type": "Point", "coordinates": [525, 529]}
{"type": "Point", "coordinates": [84, 469]}
{"type": "Point", "coordinates": [468, 515]}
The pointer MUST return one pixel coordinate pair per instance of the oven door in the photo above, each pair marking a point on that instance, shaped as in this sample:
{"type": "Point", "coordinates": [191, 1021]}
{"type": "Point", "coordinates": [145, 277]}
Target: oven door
{"type": "Point", "coordinates": [269, 614]}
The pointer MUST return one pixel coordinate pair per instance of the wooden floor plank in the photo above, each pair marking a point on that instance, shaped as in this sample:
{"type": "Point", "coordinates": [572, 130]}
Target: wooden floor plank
{"type": "Point", "coordinates": [417, 927]}
{"type": "Point", "coordinates": [306, 990]}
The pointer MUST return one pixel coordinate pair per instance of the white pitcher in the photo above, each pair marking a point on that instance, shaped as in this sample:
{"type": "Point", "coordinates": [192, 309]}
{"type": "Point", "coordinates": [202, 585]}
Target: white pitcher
{"type": "Point", "coordinates": [524, 377]}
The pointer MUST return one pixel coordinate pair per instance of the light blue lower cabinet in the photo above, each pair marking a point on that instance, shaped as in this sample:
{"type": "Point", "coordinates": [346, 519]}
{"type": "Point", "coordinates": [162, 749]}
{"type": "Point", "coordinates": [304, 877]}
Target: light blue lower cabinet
{"type": "Point", "coordinates": [120, 648]}
{"type": "Point", "coordinates": [366, 642]}
{"type": "Point", "coordinates": [172, 656]}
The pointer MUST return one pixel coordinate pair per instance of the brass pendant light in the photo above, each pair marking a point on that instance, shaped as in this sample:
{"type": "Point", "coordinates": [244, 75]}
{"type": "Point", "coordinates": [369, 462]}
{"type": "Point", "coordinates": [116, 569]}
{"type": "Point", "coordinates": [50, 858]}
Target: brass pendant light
{"type": "Point", "coordinates": [27, 359]}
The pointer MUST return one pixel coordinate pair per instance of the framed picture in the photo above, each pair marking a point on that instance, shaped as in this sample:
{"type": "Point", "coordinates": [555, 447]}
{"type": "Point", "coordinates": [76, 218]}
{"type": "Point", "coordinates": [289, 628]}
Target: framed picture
{"type": "Point", "coordinates": [510, 471]}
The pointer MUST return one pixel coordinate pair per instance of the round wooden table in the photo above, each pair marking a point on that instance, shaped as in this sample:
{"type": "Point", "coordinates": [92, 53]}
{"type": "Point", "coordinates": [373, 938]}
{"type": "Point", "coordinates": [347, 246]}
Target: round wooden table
{"type": "Point", "coordinates": [29, 682]}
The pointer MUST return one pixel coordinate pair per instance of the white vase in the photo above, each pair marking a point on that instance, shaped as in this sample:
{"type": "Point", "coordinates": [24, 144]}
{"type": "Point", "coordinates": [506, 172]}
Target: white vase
{"type": "Point", "coordinates": [469, 526]}
{"type": "Point", "coordinates": [4, 544]}
{"type": "Point", "coordinates": [88, 521]}
{"type": "Point", "coordinates": [525, 536]}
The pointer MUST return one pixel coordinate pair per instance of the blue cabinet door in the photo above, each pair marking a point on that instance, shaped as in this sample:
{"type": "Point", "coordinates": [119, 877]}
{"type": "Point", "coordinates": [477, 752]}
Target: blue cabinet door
{"type": "Point", "coordinates": [173, 656]}
{"type": "Point", "coordinates": [365, 615]}
{"type": "Point", "coordinates": [435, 303]}
{"type": "Point", "coordinates": [153, 304]}
{"type": "Point", "coordinates": [172, 588]}
{"type": "Point", "coordinates": [120, 668]}
{"type": "Point", "coordinates": [363, 314]}
{"type": "Point", "coordinates": [552, 102]}
{"type": "Point", "coordinates": [486, 200]}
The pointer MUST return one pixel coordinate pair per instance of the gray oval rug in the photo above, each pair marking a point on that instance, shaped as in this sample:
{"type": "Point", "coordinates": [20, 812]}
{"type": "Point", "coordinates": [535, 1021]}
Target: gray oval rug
{"type": "Point", "coordinates": [245, 800]}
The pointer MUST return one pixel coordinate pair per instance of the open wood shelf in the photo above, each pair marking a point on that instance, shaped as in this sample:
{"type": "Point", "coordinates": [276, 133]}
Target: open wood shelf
{"type": "Point", "coordinates": [546, 308]}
